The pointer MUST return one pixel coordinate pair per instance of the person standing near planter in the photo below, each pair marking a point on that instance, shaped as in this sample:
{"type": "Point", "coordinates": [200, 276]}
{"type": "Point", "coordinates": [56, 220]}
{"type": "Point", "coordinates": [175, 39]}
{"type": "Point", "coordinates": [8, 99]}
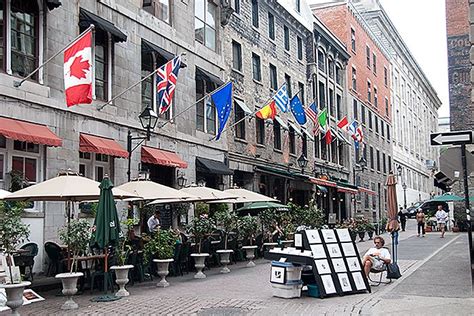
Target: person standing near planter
{"type": "Point", "coordinates": [403, 218]}
{"type": "Point", "coordinates": [153, 222]}
{"type": "Point", "coordinates": [420, 219]}
{"type": "Point", "coordinates": [441, 218]}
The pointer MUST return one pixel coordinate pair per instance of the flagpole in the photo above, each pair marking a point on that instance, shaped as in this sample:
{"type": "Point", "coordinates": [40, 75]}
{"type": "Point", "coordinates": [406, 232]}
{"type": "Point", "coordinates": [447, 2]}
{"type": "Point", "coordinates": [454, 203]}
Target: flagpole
{"type": "Point", "coordinates": [205, 96]}
{"type": "Point", "coordinates": [17, 84]}
{"type": "Point", "coordinates": [100, 107]}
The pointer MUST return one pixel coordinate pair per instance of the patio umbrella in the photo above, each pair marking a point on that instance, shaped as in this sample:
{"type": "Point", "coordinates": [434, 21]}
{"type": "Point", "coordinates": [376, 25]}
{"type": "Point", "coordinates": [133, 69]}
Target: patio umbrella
{"type": "Point", "coordinates": [247, 196]}
{"type": "Point", "coordinates": [256, 207]}
{"type": "Point", "coordinates": [447, 197]}
{"type": "Point", "coordinates": [149, 190]}
{"type": "Point", "coordinates": [107, 224]}
{"type": "Point", "coordinates": [392, 212]}
{"type": "Point", "coordinates": [207, 194]}
{"type": "Point", "coordinates": [3, 194]}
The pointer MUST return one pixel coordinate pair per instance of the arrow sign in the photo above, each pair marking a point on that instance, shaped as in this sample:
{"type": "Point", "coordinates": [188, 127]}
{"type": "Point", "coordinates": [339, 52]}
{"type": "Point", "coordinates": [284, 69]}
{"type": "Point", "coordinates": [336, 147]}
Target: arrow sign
{"type": "Point", "coordinates": [451, 138]}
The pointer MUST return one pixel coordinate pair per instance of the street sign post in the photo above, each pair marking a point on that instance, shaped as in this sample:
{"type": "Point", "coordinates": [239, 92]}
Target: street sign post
{"type": "Point", "coordinates": [460, 138]}
{"type": "Point", "coordinates": [452, 138]}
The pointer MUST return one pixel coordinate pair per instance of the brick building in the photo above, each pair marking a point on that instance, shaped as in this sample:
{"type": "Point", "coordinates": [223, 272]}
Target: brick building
{"type": "Point", "coordinates": [368, 77]}
{"type": "Point", "coordinates": [458, 31]}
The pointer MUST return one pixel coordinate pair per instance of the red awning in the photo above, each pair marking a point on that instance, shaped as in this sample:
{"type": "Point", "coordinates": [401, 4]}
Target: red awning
{"type": "Point", "coordinates": [28, 132]}
{"type": "Point", "coordinates": [368, 191]}
{"type": "Point", "coordinates": [347, 190]}
{"type": "Point", "coordinates": [326, 183]}
{"type": "Point", "coordinates": [162, 157]}
{"type": "Point", "coordinates": [101, 145]}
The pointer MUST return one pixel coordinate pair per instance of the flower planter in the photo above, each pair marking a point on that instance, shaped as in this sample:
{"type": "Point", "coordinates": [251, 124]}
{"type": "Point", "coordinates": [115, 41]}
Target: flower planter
{"type": "Point", "coordinates": [371, 234]}
{"type": "Point", "coordinates": [353, 235]}
{"type": "Point", "coordinates": [361, 236]}
{"type": "Point", "coordinates": [121, 274]}
{"type": "Point", "coordinates": [69, 281]}
{"type": "Point", "coordinates": [15, 295]}
{"type": "Point", "coordinates": [455, 229]}
{"type": "Point", "coordinates": [163, 270]}
{"type": "Point", "coordinates": [199, 264]}
{"type": "Point", "coordinates": [224, 256]}
{"type": "Point", "coordinates": [267, 246]}
{"type": "Point", "coordinates": [250, 255]}
{"type": "Point", "coordinates": [428, 229]}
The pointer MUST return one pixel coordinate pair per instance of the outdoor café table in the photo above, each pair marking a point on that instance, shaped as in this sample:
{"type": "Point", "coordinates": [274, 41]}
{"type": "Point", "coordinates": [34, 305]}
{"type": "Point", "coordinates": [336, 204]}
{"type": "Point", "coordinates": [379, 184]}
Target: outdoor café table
{"type": "Point", "coordinates": [269, 245]}
{"type": "Point", "coordinates": [287, 243]}
{"type": "Point", "coordinates": [87, 269]}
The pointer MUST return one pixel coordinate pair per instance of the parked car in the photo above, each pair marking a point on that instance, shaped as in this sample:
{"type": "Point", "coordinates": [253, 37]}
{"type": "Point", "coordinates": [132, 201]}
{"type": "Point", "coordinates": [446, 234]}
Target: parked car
{"type": "Point", "coordinates": [412, 209]}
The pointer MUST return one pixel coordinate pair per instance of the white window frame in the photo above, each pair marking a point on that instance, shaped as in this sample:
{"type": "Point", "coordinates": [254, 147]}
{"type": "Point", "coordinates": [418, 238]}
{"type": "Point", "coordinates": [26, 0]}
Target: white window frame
{"type": "Point", "coordinates": [8, 39]}
{"type": "Point", "coordinates": [92, 164]}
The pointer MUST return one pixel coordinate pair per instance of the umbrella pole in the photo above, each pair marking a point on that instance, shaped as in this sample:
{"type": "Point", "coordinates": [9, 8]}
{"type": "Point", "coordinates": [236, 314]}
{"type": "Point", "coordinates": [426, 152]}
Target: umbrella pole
{"type": "Point", "coordinates": [68, 212]}
{"type": "Point", "coordinates": [106, 272]}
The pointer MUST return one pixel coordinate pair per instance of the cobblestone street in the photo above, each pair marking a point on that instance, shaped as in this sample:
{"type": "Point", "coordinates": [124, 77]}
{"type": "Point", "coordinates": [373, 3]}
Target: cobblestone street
{"type": "Point", "coordinates": [248, 290]}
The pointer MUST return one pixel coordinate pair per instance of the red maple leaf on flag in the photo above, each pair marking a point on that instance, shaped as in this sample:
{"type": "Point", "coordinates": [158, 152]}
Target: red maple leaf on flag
{"type": "Point", "coordinates": [79, 67]}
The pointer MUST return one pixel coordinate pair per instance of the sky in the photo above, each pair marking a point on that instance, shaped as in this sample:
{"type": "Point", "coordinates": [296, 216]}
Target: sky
{"type": "Point", "coordinates": [422, 25]}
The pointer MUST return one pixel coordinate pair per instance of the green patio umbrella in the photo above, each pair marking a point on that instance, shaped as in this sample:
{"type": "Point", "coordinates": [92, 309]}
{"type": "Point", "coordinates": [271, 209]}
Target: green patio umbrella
{"type": "Point", "coordinates": [256, 207]}
{"type": "Point", "coordinates": [106, 223]}
{"type": "Point", "coordinates": [447, 198]}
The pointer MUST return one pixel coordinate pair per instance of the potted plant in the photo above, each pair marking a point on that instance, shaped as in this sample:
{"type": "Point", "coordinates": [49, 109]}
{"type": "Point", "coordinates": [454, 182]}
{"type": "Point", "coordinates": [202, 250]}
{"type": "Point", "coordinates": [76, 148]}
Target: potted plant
{"type": "Point", "coordinates": [270, 229]}
{"type": "Point", "coordinates": [360, 227]}
{"type": "Point", "coordinates": [122, 251]}
{"type": "Point", "coordinates": [200, 227]}
{"type": "Point", "coordinates": [227, 221]}
{"type": "Point", "coordinates": [76, 235]}
{"type": "Point", "coordinates": [247, 229]}
{"type": "Point", "coordinates": [370, 228]}
{"type": "Point", "coordinates": [12, 233]}
{"type": "Point", "coordinates": [161, 249]}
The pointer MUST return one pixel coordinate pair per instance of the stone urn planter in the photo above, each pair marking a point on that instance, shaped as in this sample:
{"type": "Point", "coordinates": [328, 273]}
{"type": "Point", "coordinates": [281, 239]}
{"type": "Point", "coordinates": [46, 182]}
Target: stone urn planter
{"type": "Point", "coordinates": [361, 236]}
{"type": "Point", "coordinates": [15, 295]}
{"type": "Point", "coordinates": [121, 274]}
{"type": "Point", "coordinates": [69, 281]}
{"type": "Point", "coordinates": [371, 234]}
{"type": "Point", "coordinates": [250, 255]}
{"type": "Point", "coordinates": [224, 256]}
{"type": "Point", "coordinates": [199, 264]}
{"type": "Point", "coordinates": [163, 270]}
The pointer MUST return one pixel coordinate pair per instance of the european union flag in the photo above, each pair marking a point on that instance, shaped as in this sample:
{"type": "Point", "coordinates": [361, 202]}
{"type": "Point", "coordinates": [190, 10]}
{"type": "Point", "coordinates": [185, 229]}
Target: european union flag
{"type": "Point", "coordinates": [222, 99]}
{"type": "Point", "coordinates": [298, 110]}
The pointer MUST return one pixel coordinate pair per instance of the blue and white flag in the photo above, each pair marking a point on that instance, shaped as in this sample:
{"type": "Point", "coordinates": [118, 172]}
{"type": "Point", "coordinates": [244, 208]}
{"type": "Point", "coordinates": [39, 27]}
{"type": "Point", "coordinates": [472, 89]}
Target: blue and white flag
{"type": "Point", "coordinates": [298, 110]}
{"type": "Point", "coordinates": [222, 99]}
{"type": "Point", "coordinates": [281, 98]}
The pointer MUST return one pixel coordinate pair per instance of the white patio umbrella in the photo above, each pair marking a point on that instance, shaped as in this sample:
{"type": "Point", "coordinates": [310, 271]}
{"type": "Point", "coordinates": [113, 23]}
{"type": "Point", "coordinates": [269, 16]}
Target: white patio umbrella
{"type": "Point", "coordinates": [247, 196]}
{"type": "Point", "coordinates": [3, 194]}
{"type": "Point", "coordinates": [149, 190]}
{"type": "Point", "coordinates": [207, 194]}
{"type": "Point", "coordinates": [65, 187]}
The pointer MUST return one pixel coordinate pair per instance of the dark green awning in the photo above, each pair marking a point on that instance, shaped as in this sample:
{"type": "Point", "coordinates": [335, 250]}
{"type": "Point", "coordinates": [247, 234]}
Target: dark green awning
{"type": "Point", "coordinates": [274, 171]}
{"type": "Point", "coordinates": [87, 18]}
{"type": "Point", "coordinates": [212, 166]}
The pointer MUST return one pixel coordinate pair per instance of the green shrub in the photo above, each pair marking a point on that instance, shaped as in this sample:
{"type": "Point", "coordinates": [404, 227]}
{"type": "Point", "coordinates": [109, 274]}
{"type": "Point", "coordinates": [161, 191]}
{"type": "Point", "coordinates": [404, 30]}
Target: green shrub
{"type": "Point", "coordinates": [161, 246]}
{"type": "Point", "coordinates": [76, 236]}
{"type": "Point", "coordinates": [248, 227]}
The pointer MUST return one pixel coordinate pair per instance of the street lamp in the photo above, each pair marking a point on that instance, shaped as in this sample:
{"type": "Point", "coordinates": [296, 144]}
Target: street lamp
{"type": "Point", "coordinates": [201, 183]}
{"type": "Point", "coordinates": [360, 165]}
{"type": "Point", "coordinates": [302, 163]}
{"type": "Point", "coordinates": [181, 180]}
{"type": "Point", "coordinates": [148, 120]}
{"type": "Point", "coordinates": [404, 187]}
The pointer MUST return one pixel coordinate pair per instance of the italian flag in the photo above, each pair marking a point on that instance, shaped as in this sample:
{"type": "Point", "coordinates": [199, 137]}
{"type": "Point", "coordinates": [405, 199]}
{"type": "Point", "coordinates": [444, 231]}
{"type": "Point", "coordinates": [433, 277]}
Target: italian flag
{"type": "Point", "coordinates": [323, 124]}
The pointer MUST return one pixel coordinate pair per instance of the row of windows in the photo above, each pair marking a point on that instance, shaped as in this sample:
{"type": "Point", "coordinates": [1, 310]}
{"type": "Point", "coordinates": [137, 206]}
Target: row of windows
{"type": "Point", "coordinates": [367, 117]}
{"type": "Point", "coordinates": [376, 160]}
{"type": "Point", "coordinates": [272, 29]}
{"type": "Point", "coordinates": [334, 73]}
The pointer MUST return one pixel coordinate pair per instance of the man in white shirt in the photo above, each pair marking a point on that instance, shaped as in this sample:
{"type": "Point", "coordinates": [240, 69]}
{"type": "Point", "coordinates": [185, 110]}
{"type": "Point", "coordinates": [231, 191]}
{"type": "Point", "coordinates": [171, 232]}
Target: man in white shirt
{"type": "Point", "coordinates": [154, 222]}
{"type": "Point", "coordinates": [376, 257]}
{"type": "Point", "coordinates": [441, 218]}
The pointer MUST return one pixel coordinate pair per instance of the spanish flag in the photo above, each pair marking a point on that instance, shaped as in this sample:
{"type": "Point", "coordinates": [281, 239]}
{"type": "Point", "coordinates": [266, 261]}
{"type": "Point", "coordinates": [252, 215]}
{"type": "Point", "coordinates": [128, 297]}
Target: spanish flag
{"type": "Point", "coordinates": [268, 111]}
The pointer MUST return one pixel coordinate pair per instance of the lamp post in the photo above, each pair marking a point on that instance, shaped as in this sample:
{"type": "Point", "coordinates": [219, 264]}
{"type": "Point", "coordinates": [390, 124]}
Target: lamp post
{"type": "Point", "coordinates": [148, 120]}
{"type": "Point", "coordinates": [404, 187]}
{"type": "Point", "coordinates": [360, 165]}
{"type": "Point", "coordinates": [302, 162]}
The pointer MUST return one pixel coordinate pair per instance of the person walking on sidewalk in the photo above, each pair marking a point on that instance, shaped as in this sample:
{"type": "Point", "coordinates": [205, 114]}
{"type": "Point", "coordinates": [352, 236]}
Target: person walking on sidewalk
{"type": "Point", "coordinates": [420, 219]}
{"type": "Point", "coordinates": [403, 218]}
{"type": "Point", "coordinates": [441, 218]}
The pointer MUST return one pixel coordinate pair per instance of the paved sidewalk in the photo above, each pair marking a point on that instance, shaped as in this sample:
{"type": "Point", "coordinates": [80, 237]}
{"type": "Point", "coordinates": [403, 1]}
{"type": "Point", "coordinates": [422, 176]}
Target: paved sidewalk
{"type": "Point", "coordinates": [436, 280]}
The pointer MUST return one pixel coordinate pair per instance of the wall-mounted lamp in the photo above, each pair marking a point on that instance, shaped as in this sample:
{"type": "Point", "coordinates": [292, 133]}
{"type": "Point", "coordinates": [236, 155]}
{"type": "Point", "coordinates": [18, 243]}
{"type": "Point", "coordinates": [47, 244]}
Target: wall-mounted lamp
{"type": "Point", "coordinates": [181, 180]}
{"type": "Point", "coordinates": [201, 183]}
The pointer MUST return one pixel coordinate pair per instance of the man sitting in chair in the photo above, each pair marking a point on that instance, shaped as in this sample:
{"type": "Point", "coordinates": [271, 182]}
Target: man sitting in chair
{"type": "Point", "coordinates": [376, 257]}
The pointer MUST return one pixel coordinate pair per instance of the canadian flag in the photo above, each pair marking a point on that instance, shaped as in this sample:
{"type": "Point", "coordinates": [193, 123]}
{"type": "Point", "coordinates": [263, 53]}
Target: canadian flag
{"type": "Point", "coordinates": [78, 71]}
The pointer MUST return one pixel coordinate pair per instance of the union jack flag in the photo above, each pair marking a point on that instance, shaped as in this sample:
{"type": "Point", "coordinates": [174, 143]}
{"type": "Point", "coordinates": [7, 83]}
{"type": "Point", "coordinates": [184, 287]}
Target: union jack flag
{"type": "Point", "coordinates": [166, 78]}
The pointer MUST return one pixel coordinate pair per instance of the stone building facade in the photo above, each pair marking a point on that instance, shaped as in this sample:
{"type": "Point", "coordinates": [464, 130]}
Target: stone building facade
{"type": "Point", "coordinates": [368, 76]}
{"type": "Point", "coordinates": [415, 107]}
{"type": "Point", "coordinates": [132, 39]}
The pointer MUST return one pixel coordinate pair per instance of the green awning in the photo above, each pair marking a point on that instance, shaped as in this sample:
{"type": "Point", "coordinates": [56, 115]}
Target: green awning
{"type": "Point", "coordinates": [274, 171]}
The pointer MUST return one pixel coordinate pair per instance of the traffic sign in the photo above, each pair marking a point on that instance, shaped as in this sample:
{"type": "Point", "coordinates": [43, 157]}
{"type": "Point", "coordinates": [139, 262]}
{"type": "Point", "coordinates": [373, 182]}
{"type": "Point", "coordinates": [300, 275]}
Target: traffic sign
{"type": "Point", "coordinates": [451, 138]}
